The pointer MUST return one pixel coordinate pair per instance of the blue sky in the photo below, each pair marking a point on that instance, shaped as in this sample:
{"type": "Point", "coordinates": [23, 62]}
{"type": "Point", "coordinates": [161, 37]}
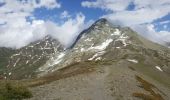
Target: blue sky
{"type": "Point", "coordinates": [162, 26]}
{"type": "Point", "coordinates": [75, 7]}
{"type": "Point", "coordinates": [31, 20]}
{"type": "Point", "coordinates": [72, 7]}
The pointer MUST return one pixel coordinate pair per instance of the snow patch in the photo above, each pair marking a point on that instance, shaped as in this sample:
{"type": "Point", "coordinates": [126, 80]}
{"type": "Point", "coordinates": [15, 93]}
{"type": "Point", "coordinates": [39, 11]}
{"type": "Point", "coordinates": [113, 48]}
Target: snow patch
{"type": "Point", "coordinates": [132, 60]}
{"type": "Point", "coordinates": [123, 39]}
{"type": "Point", "coordinates": [27, 61]}
{"type": "Point", "coordinates": [157, 67]}
{"type": "Point", "coordinates": [15, 55]}
{"type": "Point", "coordinates": [103, 45]}
{"type": "Point", "coordinates": [16, 62]}
{"type": "Point", "coordinates": [35, 61]}
{"type": "Point", "coordinates": [82, 49]}
{"type": "Point", "coordinates": [59, 59]}
{"type": "Point", "coordinates": [96, 55]}
{"type": "Point", "coordinates": [31, 46]}
{"type": "Point", "coordinates": [54, 62]}
{"type": "Point", "coordinates": [98, 58]}
{"type": "Point", "coordinates": [9, 73]}
{"type": "Point", "coordinates": [75, 48]}
{"type": "Point", "coordinates": [117, 32]}
{"type": "Point", "coordinates": [118, 47]}
{"type": "Point", "coordinates": [37, 43]}
{"type": "Point", "coordinates": [88, 39]}
{"type": "Point", "coordinates": [46, 44]}
{"type": "Point", "coordinates": [47, 48]}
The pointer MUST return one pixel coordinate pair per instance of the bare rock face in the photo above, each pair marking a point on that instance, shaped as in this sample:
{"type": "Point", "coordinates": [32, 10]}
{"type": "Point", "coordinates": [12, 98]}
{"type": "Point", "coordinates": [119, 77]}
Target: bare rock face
{"type": "Point", "coordinates": [23, 62]}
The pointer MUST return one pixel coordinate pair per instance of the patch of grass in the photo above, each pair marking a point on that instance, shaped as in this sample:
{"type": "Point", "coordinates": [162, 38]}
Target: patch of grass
{"type": "Point", "coordinates": [12, 91]}
{"type": "Point", "coordinates": [149, 88]}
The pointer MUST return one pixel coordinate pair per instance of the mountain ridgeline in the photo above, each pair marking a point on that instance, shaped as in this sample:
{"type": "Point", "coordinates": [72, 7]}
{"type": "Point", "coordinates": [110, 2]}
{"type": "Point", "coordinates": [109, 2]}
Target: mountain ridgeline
{"type": "Point", "coordinates": [21, 63]}
{"type": "Point", "coordinates": [106, 62]}
{"type": "Point", "coordinates": [100, 42]}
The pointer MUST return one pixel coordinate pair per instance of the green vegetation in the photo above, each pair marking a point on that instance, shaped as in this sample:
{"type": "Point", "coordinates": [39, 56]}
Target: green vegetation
{"type": "Point", "coordinates": [15, 91]}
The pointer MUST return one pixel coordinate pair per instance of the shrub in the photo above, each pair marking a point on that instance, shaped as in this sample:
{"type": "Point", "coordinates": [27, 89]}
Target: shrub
{"type": "Point", "coordinates": [14, 92]}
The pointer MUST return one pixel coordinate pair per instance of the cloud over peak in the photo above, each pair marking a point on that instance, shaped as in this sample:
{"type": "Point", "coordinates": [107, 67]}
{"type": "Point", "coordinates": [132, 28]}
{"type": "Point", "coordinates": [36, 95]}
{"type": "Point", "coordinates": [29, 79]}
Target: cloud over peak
{"type": "Point", "coordinates": [138, 14]}
{"type": "Point", "coordinates": [67, 32]}
{"type": "Point", "coordinates": [16, 31]}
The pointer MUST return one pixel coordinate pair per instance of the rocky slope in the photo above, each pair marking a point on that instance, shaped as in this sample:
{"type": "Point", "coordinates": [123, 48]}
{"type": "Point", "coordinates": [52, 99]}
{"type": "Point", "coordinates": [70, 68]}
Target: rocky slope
{"type": "Point", "coordinates": [22, 63]}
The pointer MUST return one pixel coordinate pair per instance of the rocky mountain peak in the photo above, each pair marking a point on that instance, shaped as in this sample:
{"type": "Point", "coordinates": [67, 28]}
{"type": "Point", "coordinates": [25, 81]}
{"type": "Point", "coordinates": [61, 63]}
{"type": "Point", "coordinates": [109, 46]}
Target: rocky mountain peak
{"type": "Point", "coordinates": [100, 32]}
{"type": "Point", "coordinates": [91, 44]}
{"type": "Point", "coordinates": [101, 21]}
{"type": "Point", "coordinates": [101, 42]}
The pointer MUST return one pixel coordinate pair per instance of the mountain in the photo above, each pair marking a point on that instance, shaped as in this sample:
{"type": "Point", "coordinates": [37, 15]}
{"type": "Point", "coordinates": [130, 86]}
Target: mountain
{"type": "Point", "coordinates": [21, 63]}
{"type": "Point", "coordinates": [106, 62]}
{"type": "Point", "coordinates": [104, 41]}
{"type": "Point", "coordinates": [5, 54]}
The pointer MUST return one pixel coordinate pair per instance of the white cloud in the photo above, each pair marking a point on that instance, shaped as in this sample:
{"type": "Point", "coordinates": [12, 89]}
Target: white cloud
{"type": "Point", "coordinates": [113, 5]}
{"type": "Point", "coordinates": [15, 30]}
{"type": "Point", "coordinates": [49, 4]}
{"type": "Point", "coordinates": [19, 34]}
{"type": "Point", "coordinates": [150, 3]}
{"type": "Point", "coordinates": [145, 11]}
{"type": "Point", "coordinates": [139, 18]}
{"type": "Point", "coordinates": [148, 31]}
{"type": "Point", "coordinates": [67, 32]}
{"type": "Point", "coordinates": [64, 14]}
{"type": "Point", "coordinates": [21, 9]}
